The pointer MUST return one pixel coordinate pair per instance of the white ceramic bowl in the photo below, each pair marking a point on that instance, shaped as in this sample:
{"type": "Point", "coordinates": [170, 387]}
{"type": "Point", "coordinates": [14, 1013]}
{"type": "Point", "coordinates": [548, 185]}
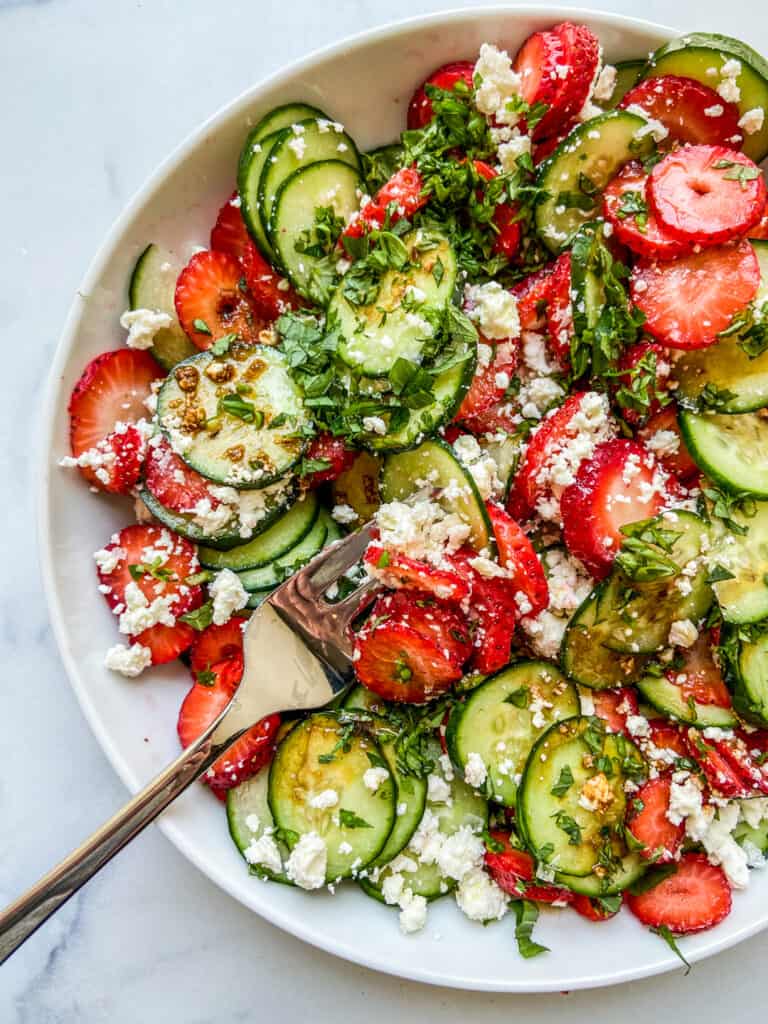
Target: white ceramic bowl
{"type": "Point", "coordinates": [365, 82]}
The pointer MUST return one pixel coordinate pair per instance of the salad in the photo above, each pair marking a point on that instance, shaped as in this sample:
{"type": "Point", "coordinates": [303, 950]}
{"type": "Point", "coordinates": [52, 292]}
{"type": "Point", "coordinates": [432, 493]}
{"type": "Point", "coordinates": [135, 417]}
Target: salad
{"type": "Point", "coordinates": [529, 340]}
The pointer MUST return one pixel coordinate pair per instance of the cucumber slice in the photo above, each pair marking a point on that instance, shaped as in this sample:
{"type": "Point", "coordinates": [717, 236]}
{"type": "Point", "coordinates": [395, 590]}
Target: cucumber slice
{"type": "Point", "coordinates": [258, 597]}
{"type": "Point", "coordinates": [731, 450]}
{"type": "Point", "coordinates": [757, 836]}
{"type": "Point", "coordinates": [434, 466]}
{"type": "Point", "coordinates": [587, 287]}
{"type": "Point", "coordinates": [283, 117]}
{"type": "Point", "coordinates": [701, 55]}
{"type": "Point", "coordinates": [744, 598]}
{"type": "Point", "coordinates": [281, 568]}
{"type": "Point", "coordinates": [595, 150]}
{"type": "Point", "coordinates": [394, 326]}
{"type": "Point", "coordinates": [152, 286]}
{"type": "Point", "coordinates": [286, 533]}
{"type": "Point", "coordinates": [505, 450]}
{"type": "Point", "coordinates": [748, 675]}
{"type": "Point", "coordinates": [297, 774]}
{"type": "Point", "coordinates": [380, 164]}
{"type": "Point", "coordinates": [327, 183]}
{"type": "Point", "coordinates": [627, 74]}
{"type": "Point", "coordinates": [503, 718]}
{"type": "Point", "coordinates": [667, 698]}
{"type": "Point", "coordinates": [253, 157]}
{"type": "Point", "coordinates": [358, 486]}
{"type": "Point", "coordinates": [305, 142]}
{"type": "Point", "coordinates": [584, 656]}
{"type": "Point", "coordinates": [229, 437]}
{"type": "Point", "coordinates": [635, 618]}
{"type": "Point", "coordinates": [249, 816]}
{"type": "Point", "coordinates": [559, 779]}
{"type": "Point", "coordinates": [629, 868]}
{"type": "Point", "coordinates": [266, 505]}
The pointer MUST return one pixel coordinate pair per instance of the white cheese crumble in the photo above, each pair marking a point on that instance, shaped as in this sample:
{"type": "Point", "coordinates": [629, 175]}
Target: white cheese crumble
{"type": "Point", "coordinates": [306, 865]}
{"type": "Point", "coordinates": [264, 852]}
{"type": "Point", "coordinates": [374, 425]}
{"type": "Point", "coordinates": [475, 772]}
{"type": "Point", "coordinates": [480, 898]}
{"type": "Point", "coordinates": [325, 799]}
{"type": "Point", "coordinates": [142, 326]}
{"type": "Point", "coordinates": [480, 464]}
{"type": "Point", "coordinates": [728, 88]}
{"type": "Point", "coordinates": [422, 530]}
{"type": "Point", "coordinates": [344, 514]}
{"type": "Point", "coordinates": [128, 661]}
{"type": "Point", "coordinates": [651, 127]}
{"type": "Point", "coordinates": [752, 120]}
{"type": "Point", "coordinates": [375, 777]}
{"type": "Point", "coordinates": [229, 596]}
{"type": "Point", "coordinates": [107, 560]}
{"type": "Point", "coordinates": [139, 614]}
{"type": "Point", "coordinates": [683, 633]}
{"type": "Point", "coordinates": [438, 790]}
{"type": "Point", "coordinates": [606, 83]}
{"type": "Point", "coordinates": [494, 309]}
{"type": "Point", "coordinates": [663, 442]}
{"type": "Point", "coordinates": [498, 85]}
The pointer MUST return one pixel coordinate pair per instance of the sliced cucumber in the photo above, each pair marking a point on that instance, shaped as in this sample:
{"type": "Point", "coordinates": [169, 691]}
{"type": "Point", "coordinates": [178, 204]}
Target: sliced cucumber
{"type": "Point", "coordinates": [575, 766]}
{"type": "Point", "coordinates": [584, 656]}
{"type": "Point", "coordinates": [627, 74]}
{"type": "Point", "coordinates": [325, 184]}
{"type": "Point", "coordinates": [219, 411]}
{"type": "Point", "coordinates": [503, 718]}
{"type": "Point", "coordinates": [305, 142]}
{"type": "Point", "coordinates": [285, 534]}
{"type": "Point", "coordinates": [283, 117]}
{"type": "Point", "coordinates": [748, 675]}
{"type": "Point", "coordinates": [258, 597]}
{"type": "Point", "coordinates": [668, 698]}
{"type": "Point", "coordinates": [628, 869]}
{"type": "Point", "coordinates": [744, 597]}
{"type": "Point", "coordinates": [249, 817]}
{"type": "Point", "coordinates": [701, 55]}
{"type": "Point", "coordinates": [152, 286]}
{"type": "Point", "coordinates": [356, 828]}
{"type": "Point", "coordinates": [433, 468]}
{"type": "Point", "coordinates": [358, 486]}
{"type": "Point", "coordinates": [590, 156]}
{"type": "Point", "coordinates": [394, 326]}
{"type": "Point", "coordinates": [281, 568]}
{"type": "Point", "coordinates": [505, 450]}
{"type": "Point", "coordinates": [757, 836]}
{"type": "Point", "coordinates": [731, 450]}
{"type": "Point", "coordinates": [380, 164]}
{"type": "Point", "coordinates": [253, 157]}
{"type": "Point", "coordinates": [363, 699]}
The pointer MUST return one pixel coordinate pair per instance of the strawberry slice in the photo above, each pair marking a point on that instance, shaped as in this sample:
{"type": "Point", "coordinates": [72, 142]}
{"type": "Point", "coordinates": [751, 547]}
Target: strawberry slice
{"type": "Point", "coordinates": [114, 464]}
{"type": "Point", "coordinates": [614, 707]}
{"type": "Point", "coordinates": [592, 908]}
{"type": "Point", "coordinates": [112, 389]}
{"type": "Point", "coordinates": [707, 195]}
{"type": "Point", "coordinates": [271, 295]}
{"type": "Point", "coordinates": [514, 870]}
{"type": "Point", "coordinates": [557, 68]}
{"type": "Point", "coordinates": [721, 774]}
{"type": "Point", "coordinates": [432, 618]}
{"type": "Point", "coordinates": [760, 230]}
{"type": "Point", "coordinates": [420, 111]}
{"type": "Point", "coordinates": [695, 898]}
{"type": "Point", "coordinates": [505, 218]}
{"type": "Point", "coordinates": [532, 294]}
{"type": "Point", "coordinates": [247, 756]}
{"type": "Point", "coordinates": [657, 366]}
{"type": "Point", "coordinates": [665, 735]}
{"type": "Point", "coordinates": [648, 822]}
{"type": "Point", "coordinates": [559, 310]}
{"type": "Point", "coordinates": [698, 675]}
{"type": "Point", "coordinates": [657, 434]}
{"type": "Point", "coordinates": [688, 301]}
{"type": "Point", "coordinates": [493, 611]}
{"type": "Point", "coordinates": [211, 300]}
{"type": "Point", "coordinates": [745, 756]}
{"type": "Point", "coordinates": [690, 111]}
{"type": "Point", "coordinates": [172, 482]}
{"type": "Point", "coordinates": [635, 225]}
{"type": "Point", "coordinates": [501, 417]}
{"type": "Point", "coordinates": [491, 379]}
{"type": "Point", "coordinates": [229, 234]}
{"type": "Point", "coordinates": [403, 193]}
{"type": "Point", "coordinates": [622, 483]}
{"type": "Point", "coordinates": [331, 450]}
{"type": "Point", "coordinates": [166, 643]}
{"type": "Point", "coordinates": [205, 702]}
{"type": "Point", "coordinates": [518, 557]}
{"type": "Point", "coordinates": [546, 147]}
{"type": "Point", "coordinates": [397, 663]}
{"type": "Point", "coordinates": [396, 570]}
{"type": "Point", "coordinates": [215, 644]}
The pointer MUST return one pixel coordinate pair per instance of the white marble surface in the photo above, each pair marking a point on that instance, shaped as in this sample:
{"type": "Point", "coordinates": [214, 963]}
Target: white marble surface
{"type": "Point", "coordinates": [94, 94]}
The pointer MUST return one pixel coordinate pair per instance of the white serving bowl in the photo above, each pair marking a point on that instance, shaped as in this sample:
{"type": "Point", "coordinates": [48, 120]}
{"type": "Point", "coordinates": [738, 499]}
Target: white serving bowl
{"type": "Point", "coordinates": [366, 83]}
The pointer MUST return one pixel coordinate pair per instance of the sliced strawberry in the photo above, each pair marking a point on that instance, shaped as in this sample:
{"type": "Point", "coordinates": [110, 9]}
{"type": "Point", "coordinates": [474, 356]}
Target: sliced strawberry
{"type": "Point", "coordinates": [204, 703]}
{"type": "Point", "coordinates": [505, 218]}
{"type": "Point", "coordinates": [420, 111]}
{"type": "Point", "coordinates": [665, 735]}
{"type": "Point", "coordinates": [745, 756]}
{"type": "Point", "coordinates": [557, 68]}
{"type": "Point", "coordinates": [397, 663]}
{"type": "Point", "coordinates": [402, 195]}
{"type": "Point", "coordinates": [532, 294]}
{"type": "Point", "coordinates": [517, 556]}
{"type": "Point", "coordinates": [247, 756]}
{"type": "Point", "coordinates": [678, 461]}
{"type": "Point", "coordinates": [691, 112]}
{"type": "Point", "coordinates": [217, 643]}
{"type": "Point", "coordinates": [648, 822]}
{"type": "Point", "coordinates": [688, 301]}
{"type": "Point", "coordinates": [501, 417]}
{"type": "Point", "coordinates": [396, 570]}
{"type": "Point", "coordinates": [115, 464]}
{"type": "Point", "coordinates": [657, 366]}
{"type": "Point", "coordinates": [166, 643]}
{"type": "Point", "coordinates": [514, 870]}
{"type": "Point", "coordinates": [698, 676]}
{"type": "Point", "coordinates": [592, 909]}
{"type": "Point", "coordinates": [434, 619]}
{"type": "Point", "coordinates": [493, 610]}
{"type": "Point", "coordinates": [331, 450]}
{"type": "Point", "coordinates": [725, 779]}
{"type": "Point", "coordinates": [491, 380]}
{"type": "Point", "coordinates": [559, 310]}
{"type": "Point", "coordinates": [614, 706]}
{"type": "Point", "coordinates": [622, 483]}
{"type": "Point", "coordinates": [229, 234]}
{"type": "Point", "coordinates": [760, 230]}
{"type": "Point", "coordinates": [111, 390]}
{"type": "Point", "coordinates": [707, 195]}
{"type": "Point", "coordinates": [546, 147]}
{"type": "Point", "coordinates": [172, 482]}
{"type": "Point", "coordinates": [211, 300]}
{"type": "Point", "coordinates": [271, 295]}
{"type": "Point", "coordinates": [696, 897]}
{"type": "Point", "coordinates": [634, 224]}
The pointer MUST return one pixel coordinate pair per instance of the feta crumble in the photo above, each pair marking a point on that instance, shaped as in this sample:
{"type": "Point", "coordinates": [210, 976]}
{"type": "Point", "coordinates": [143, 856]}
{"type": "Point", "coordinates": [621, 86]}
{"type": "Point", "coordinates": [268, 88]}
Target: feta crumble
{"type": "Point", "coordinates": [142, 326]}
{"type": "Point", "coordinates": [229, 596]}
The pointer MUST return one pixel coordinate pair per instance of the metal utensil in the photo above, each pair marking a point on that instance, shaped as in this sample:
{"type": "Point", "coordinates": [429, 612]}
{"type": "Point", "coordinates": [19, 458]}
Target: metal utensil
{"type": "Point", "coordinates": [297, 655]}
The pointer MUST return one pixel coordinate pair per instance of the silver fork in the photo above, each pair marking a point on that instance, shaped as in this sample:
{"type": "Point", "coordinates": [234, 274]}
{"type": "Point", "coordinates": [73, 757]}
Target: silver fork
{"type": "Point", "coordinates": [298, 656]}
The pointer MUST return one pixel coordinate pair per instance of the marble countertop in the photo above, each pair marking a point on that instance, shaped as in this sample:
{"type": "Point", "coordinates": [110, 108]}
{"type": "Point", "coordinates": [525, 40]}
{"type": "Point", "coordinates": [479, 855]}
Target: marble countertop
{"type": "Point", "coordinates": [94, 95]}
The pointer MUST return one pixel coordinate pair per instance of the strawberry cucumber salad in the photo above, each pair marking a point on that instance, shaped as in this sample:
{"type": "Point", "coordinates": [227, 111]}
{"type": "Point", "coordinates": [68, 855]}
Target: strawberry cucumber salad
{"type": "Point", "coordinates": [529, 341]}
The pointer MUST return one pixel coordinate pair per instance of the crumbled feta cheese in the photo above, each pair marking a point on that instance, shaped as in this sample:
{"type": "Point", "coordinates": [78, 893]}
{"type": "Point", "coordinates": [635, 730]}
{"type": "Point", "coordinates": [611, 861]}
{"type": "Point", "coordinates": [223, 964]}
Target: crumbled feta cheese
{"type": "Point", "coordinates": [683, 633]}
{"type": "Point", "coordinates": [498, 85]}
{"type": "Point", "coordinates": [413, 913]}
{"type": "Point", "coordinates": [374, 425]}
{"type": "Point", "coordinates": [475, 772]}
{"type": "Point", "coordinates": [509, 152]}
{"type": "Point", "coordinates": [307, 863]}
{"type": "Point", "coordinates": [344, 514]}
{"type": "Point", "coordinates": [460, 852]}
{"type": "Point", "coordinates": [752, 120]}
{"type": "Point", "coordinates": [494, 309]}
{"type": "Point", "coordinates": [728, 88]}
{"type": "Point", "coordinates": [606, 83]}
{"type": "Point", "coordinates": [325, 799]}
{"type": "Point", "coordinates": [421, 530]}
{"type": "Point", "coordinates": [716, 110]}
{"type": "Point", "coordinates": [128, 661]}
{"type": "Point", "coordinates": [545, 631]}
{"type": "Point", "coordinates": [229, 596]}
{"type": "Point", "coordinates": [142, 326]}
{"type": "Point", "coordinates": [107, 559]}
{"type": "Point", "coordinates": [298, 146]}
{"type": "Point", "coordinates": [438, 790]}
{"type": "Point", "coordinates": [638, 726]}
{"type": "Point", "coordinates": [480, 898]}
{"type": "Point", "coordinates": [663, 442]}
{"type": "Point", "coordinates": [480, 464]}
{"type": "Point", "coordinates": [264, 852]}
{"type": "Point", "coordinates": [537, 707]}
{"type": "Point", "coordinates": [139, 614]}
{"type": "Point", "coordinates": [375, 777]}
{"type": "Point", "coordinates": [596, 794]}
{"type": "Point", "coordinates": [651, 127]}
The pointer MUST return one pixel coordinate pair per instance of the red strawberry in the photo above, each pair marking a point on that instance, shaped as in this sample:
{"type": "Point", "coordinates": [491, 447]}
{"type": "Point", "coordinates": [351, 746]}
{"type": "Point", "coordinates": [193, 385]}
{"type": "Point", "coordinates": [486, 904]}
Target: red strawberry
{"type": "Point", "coordinates": [639, 231]}
{"type": "Point", "coordinates": [247, 756]}
{"type": "Point", "coordinates": [505, 218]}
{"type": "Point", "coordinates": [271, 294]}
{"type": "Point", "coordinates": [656, 367]}
{"type": "Point", "coordinates": [397, 663]}
{"type": "Point", "coordinates": [557, 69]}
{"type": "Point", "coordinates": [517, 556]}
{"type": "Point", "coordinates": [592, 909]}
{"type": "Point", "coordinates": [699, 677]}
{"type": "Point", "coordinates": [559, 311]}
{"type": "Point", "coordinates": [532, 294]}
{"type": "Point", "coordinates": [493, 610]}
{"type": "Point", "coordinates": [514, 870]}
{"type": "Point", "coordinates": [681, 105]}
{"type": "Point", "coordinates": [707, 195]}
{"type": "Point", "coordinates": [211, 300]}
{"type": "Point", "coordinates": [614, 706]}
{"type": "Point", "coordinates": [420, 111]}
{"type": "Point", "coordinates": [622, 483]}
{"type": "Point", "coordinates": [744, 754]}
{"type": "Point", "coordinates": [725, 779]}
{"type": "Point", "coordinates": [111, 390]}
{"type": "Point", "coordinates": [548, 146]}
{"type": "Point", "coordinates": [395, 570]}
{"type": "Point", "coordinates": [648, 822]}
{"type": "Point", "coordinates": [229, 234]}
{"type": "Point", "coordinates": [434, 619]}
{"type": "Point", "coordinates": [166, 643]}
{"type": "Point", "coordinates": [334, 451]}
{"type": "Point", "coordinates": [760, 230]}
{"type": "Point", "coordinates": [665, 735]}
{"type": "Point", "coordinates": [501, 417]}
{"type": "Point", "coordinates": [172, 482]}
{"type": "Point", "coordinates": [204, 703]}
{"type": "Point", "coordinates": [491, 380]}
{"type": "Point", "coordinates": [404, 190]}
{"type": "Point", "coordinates": [679, 461]}
{"type": "Point", "coordinates": [696, 897]}
{"type": "Point", "coordinates": [688, 301]}
{"type": "Point", "coordinates": [217, 643]}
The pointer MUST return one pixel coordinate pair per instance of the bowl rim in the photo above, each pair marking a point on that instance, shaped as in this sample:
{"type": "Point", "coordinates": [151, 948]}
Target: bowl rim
{"type": "Point", "coordinates": [289, 922]}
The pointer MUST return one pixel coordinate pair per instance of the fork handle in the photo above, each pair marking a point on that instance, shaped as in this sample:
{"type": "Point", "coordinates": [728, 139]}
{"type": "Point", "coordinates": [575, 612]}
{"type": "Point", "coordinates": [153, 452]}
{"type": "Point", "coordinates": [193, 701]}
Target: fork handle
{"type": "Point", "coordinates": [29, 911]}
